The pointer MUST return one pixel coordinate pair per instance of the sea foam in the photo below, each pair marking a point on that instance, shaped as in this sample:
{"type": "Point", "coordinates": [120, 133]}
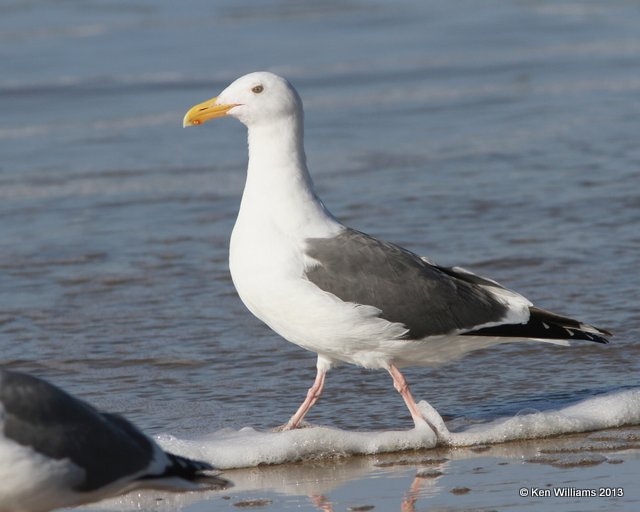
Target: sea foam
{"type": "Point", "coordinates": [247, 447]}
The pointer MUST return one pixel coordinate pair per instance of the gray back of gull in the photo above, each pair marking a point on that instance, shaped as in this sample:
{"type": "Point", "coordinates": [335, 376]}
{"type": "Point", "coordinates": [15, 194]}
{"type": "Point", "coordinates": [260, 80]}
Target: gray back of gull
{"type": "Point", "coordinates": [427, 300]}
{"type": "Point", "coordinates": [57, 425]}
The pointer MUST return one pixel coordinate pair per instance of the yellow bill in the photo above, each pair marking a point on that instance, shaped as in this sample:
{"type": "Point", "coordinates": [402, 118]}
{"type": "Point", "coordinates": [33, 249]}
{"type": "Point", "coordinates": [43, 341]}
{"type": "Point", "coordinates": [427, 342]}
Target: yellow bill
{"type": "Point", "coordinates": [204, 111]}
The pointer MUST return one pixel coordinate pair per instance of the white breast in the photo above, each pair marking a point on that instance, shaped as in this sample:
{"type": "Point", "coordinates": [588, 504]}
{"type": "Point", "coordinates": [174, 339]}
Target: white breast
{"type": "Point", "coordinates": [278, 213]}
{"type": "Point", "coordinates": [267, 268]}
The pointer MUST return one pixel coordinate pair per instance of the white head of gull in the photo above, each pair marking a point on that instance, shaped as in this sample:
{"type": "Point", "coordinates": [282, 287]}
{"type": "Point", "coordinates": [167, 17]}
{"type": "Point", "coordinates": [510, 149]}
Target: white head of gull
{"type": "Point", "coordinates": [338, 292]}
{"type": "Point", "coordinates": [58, 451]}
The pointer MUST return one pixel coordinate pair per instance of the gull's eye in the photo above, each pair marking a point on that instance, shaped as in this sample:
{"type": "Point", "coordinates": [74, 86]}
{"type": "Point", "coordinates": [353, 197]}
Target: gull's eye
{"type": "Point", "coordinates": [258, 89]}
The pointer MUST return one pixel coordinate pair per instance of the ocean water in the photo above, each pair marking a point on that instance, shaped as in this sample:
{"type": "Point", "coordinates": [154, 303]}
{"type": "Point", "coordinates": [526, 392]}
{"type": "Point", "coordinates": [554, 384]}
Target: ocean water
{"type": "Point", "coordinates": [502, 137]}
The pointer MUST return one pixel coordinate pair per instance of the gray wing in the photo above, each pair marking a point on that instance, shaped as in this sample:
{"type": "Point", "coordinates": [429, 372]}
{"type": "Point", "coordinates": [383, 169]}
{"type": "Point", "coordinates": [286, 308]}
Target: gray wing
{"type": "Point", "coordinates": [405, 288]}
{"type": "Point", "coordinates": [429, 299]}
{"type": "Point", "coordinates": [57, 425]}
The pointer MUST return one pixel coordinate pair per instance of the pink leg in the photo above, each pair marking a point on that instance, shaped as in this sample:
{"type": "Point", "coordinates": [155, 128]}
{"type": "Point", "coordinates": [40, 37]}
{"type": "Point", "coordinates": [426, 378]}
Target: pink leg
{"type": "Point", "coordinates": [400, 383]}
{"type": "Point", "coordinates": [312, 397]}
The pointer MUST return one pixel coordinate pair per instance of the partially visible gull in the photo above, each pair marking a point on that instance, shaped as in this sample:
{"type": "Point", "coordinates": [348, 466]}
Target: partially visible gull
{"type": "Point", "coordinates": [57, 451]}
{"type": "Point", "coordinates": [338, 292]}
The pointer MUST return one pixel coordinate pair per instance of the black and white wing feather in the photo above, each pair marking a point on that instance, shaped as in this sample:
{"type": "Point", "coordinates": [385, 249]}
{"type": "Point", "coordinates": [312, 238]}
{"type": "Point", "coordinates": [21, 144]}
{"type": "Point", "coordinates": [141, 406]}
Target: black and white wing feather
{"type": "Point", "coordinates": [428, 299]}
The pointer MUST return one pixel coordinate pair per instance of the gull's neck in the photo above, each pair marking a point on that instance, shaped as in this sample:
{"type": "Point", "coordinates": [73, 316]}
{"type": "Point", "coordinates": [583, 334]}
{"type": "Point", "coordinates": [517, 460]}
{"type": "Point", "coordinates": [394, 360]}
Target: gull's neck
{"type": "Point", "coordinates": [279, 192]}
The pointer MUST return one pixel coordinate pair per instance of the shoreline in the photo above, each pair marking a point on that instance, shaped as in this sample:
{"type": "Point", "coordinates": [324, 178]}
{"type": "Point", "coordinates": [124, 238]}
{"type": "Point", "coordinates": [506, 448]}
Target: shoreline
{"type": "Point", "coordinates": [561, 471]}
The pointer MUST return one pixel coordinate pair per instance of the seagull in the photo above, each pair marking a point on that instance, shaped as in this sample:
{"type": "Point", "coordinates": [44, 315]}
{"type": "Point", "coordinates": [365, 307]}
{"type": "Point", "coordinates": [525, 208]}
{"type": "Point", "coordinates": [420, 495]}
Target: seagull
{"type": "Point", "coordinates": [341, 293]}
{"type": "Point", "coordinates": [58, 451]}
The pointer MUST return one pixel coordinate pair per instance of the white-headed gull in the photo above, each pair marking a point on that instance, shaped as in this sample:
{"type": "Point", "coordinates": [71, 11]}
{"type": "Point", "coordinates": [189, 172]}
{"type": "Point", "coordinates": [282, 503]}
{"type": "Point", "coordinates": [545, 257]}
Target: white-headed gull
{"type": "Point", "coordinates": [341, 293]}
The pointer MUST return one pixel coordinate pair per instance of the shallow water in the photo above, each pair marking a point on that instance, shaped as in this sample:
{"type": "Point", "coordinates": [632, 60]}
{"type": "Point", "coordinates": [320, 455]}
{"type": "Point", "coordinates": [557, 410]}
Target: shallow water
{"type": "Point", "coordinates": [501, 138]}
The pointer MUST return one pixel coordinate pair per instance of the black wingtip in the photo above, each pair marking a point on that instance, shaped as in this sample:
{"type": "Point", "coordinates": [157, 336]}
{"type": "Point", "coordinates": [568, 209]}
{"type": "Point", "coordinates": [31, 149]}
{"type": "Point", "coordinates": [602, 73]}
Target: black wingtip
{"type": "Point", "coordinates": [589, 336]}
{"type": "Point", "coordinates": [196, 471]}
{"type": "Point", "coordinates": [544, 324]}
{"type": "Point", "coordinates": [188, 465]}
{"type": "Point", "coordinates": [578, 330]}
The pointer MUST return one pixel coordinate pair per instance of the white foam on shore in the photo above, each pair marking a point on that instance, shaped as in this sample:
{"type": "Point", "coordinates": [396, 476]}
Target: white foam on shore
{"type": "Point", "coordinates": [597, 413]}
{"type": "Point", "coordinates": [228, 449]}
